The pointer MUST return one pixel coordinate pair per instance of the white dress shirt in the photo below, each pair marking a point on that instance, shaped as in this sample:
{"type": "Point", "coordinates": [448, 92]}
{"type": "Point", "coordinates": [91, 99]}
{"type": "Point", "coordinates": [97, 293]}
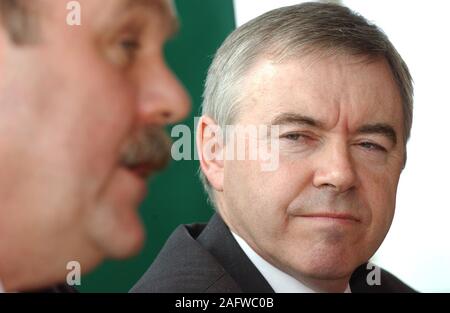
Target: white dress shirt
{"type": "Point", "coordinates": [2, 290]}
{"type": "Point", "coordinates": [277, 279]}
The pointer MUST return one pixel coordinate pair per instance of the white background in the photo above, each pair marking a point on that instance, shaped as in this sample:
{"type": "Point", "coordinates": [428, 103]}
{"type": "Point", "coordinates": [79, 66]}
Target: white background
{"type": "Point", "coordinates": [417, 248]}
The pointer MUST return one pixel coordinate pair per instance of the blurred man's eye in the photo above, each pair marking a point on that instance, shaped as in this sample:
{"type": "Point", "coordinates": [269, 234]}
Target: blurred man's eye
{"type": "Point", "coordinates": [130, 47]}
{"type": "Point", "coordinates": [123, 50]}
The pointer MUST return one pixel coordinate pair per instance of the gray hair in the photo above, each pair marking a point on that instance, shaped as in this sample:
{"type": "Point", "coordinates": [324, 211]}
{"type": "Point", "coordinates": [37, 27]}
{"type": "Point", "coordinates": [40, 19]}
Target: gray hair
{"type": "Point", "coordinates": [296, 31]}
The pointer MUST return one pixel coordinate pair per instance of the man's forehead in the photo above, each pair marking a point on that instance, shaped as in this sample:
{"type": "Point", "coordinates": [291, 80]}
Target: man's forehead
{"type": "Point", "coordinates": [109, 16]}
{"type": "Point", "coordinates": [101, 10]}
{"type": "Point", "coordinates": [301, 81]}
{"type": "Point", "coordinates": [164, 8]}
{"type": "Point", "coordinates": [272, 87]}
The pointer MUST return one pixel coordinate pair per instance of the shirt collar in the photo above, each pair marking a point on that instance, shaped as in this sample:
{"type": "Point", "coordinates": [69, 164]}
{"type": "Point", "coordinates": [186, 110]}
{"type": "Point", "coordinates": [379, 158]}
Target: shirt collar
{"type": "Point", "coordinates": [2, 290]}
{"type": "Point", "coordinates": [277, 279]}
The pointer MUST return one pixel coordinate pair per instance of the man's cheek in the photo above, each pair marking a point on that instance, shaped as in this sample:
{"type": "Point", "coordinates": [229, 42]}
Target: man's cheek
{"type": "Point", "coordinates": [382, 211]}
{"type": "Point", "coordinates": [102, 140]}
{"type": "Point", "coordinates": [115, 210]}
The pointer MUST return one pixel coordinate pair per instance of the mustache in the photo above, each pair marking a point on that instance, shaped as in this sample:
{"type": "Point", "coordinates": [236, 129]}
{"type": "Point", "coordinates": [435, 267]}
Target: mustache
{"type": "Point", "coordinates": [150, 146]}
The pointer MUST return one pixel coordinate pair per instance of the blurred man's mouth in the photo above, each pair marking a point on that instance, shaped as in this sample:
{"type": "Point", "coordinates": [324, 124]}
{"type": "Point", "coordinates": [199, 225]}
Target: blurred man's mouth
{"type": "Point", "coordinates": [148, 151]}
{"type": "Point", "coordinates": [142, 171]}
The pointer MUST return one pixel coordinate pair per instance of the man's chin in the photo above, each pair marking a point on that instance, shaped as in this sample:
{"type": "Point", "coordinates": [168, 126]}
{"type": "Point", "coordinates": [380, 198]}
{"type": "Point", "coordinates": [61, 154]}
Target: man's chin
{"type": "Point", "coordinates": [115, 225]}
{"type": "Point", "coordinates": [322, 265]}
{"type": "Point", "coordinates": [119, 235]}
{"type": "Point", "coordinates": [127, 240]}
{"type": "Point", "coordinates": [330, 270]}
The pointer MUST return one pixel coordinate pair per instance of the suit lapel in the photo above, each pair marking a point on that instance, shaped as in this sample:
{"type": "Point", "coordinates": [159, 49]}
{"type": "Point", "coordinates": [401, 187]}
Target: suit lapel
{"type": "Point", "coordinates": [218, 240]}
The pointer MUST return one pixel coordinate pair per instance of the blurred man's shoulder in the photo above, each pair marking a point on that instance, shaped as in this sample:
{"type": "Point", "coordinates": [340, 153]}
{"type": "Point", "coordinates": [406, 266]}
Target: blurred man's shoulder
{"type": "Point", "coordinates": [61, 288]}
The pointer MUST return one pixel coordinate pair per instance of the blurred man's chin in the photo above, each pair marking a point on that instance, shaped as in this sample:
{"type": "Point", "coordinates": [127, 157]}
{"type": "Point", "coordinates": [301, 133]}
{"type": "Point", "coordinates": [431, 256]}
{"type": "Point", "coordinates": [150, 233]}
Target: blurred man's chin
{"type": "Point", "coordinates": [117, 234]}
{"type": "Point", "coordinates": [127, 240]}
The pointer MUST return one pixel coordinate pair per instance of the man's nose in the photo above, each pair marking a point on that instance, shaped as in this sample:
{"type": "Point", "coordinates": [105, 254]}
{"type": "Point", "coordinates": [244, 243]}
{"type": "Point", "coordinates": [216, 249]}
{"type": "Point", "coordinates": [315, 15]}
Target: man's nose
{"type": "Point", "coordinates": [334, 169]}
{"type": "Point", "coordinates": [161, 98]}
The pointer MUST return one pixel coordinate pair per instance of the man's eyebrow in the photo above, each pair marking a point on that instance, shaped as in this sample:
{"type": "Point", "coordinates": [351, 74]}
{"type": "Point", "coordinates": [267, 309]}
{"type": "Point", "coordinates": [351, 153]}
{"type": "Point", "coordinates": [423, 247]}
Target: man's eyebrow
{"type": "Point", "coordinates": [379, 128]}
{"type": "Point", "coordinates": [294, 118]}
{"type": "Point", "coordinates": [299, 119]}
{"type": "Point", "coordinates": [161, 7]}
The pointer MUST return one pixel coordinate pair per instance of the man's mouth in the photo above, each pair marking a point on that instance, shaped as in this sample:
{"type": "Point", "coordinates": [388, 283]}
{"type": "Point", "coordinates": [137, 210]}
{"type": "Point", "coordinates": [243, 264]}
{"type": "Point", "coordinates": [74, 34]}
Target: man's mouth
{"type": "Point", "coordinates": [146, 152]}
{"type": "Point", "coordinates": [142, 171]}
{"type": "Point", "coordinates": [344, 217]}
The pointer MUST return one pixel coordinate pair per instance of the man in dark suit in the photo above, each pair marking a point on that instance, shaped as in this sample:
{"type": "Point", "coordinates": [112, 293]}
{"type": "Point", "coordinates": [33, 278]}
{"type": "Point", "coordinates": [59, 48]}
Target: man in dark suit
{"type": "Point", "coordinates": [84, 99]}
{"type": "Point", "coordinates": [206, 258]}
{"type": "Point", "coordinates": [304, 180]}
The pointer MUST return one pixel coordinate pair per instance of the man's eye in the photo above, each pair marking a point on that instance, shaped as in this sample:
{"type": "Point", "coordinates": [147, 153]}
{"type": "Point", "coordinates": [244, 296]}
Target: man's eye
{"type": "Point", "coordinates": [130, 45]}
{"type": "Point", "coordinates": [295, 137]}
{"type": "Point", "coordinates": [123, 51]}
{"type": "Point", "coordinates": [372, 146]}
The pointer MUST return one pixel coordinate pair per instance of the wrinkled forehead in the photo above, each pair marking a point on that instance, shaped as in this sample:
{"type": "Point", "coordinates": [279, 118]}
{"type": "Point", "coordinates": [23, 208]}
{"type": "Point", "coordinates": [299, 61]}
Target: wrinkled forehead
{"type": "Point", "coordinates": [364, 88]}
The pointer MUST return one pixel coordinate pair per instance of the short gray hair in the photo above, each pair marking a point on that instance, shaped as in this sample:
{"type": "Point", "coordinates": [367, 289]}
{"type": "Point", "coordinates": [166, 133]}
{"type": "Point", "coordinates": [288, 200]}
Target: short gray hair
{"type": "Point", "coordinates": [296, 31]}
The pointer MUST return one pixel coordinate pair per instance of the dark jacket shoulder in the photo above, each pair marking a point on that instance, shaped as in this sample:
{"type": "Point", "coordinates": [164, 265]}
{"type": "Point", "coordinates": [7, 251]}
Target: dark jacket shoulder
{"type": "Point", "coordinates": [183, 265]}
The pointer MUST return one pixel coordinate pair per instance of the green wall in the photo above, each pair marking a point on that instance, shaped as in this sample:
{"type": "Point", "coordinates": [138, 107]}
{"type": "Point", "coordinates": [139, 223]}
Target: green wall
{"type": "Point", "coordinates": [175, 195]}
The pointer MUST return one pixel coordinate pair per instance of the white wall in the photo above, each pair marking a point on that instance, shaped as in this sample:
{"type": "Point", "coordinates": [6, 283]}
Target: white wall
{"type": "Point", "coordinates": [417, 248]}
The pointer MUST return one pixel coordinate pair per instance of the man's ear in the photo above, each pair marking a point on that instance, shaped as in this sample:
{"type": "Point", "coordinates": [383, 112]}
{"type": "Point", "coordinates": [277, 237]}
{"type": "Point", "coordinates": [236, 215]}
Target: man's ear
{"type": "Point", "coordinates": [211, 152]}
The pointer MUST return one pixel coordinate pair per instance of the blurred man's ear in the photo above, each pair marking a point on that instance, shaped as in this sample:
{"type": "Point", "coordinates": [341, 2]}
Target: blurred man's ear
{"type": "Point", "coordinates": [211, 152]}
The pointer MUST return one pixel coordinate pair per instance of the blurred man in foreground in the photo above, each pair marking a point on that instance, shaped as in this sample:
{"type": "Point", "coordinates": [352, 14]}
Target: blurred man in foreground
{"type": "Point", "coordinates": [82, 112]}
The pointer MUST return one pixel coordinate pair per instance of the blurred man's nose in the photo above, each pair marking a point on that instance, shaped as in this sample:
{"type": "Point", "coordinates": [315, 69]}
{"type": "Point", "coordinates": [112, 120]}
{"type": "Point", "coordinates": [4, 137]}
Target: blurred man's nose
{"type": "Point", "coordinates": [334, 169]}
{"type": "Point", "coordinates": [161, 99]}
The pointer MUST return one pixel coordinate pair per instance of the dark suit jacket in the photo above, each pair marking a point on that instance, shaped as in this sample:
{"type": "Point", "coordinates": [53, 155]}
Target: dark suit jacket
{"type": "Point", "coordinates": [206, 258]}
